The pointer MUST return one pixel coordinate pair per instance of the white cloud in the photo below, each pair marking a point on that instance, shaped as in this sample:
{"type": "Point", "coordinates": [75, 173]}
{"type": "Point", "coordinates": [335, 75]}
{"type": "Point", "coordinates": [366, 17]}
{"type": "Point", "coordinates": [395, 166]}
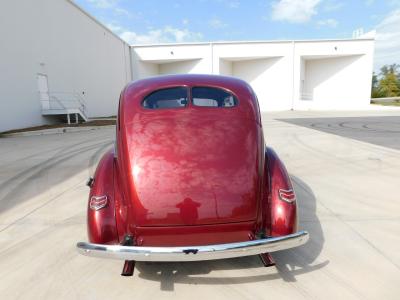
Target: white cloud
{"type": "Point", "coordinates": [294, 11]}
{"type": "Point", "coordinates": [332, 5]}
{"type": "Point", "coordinates": [112, 5]}
{"type": "Point", "coordinates": [328, 22]}
{"type": "Point", "coordinates": [387, 45]}
{"type": "Point", "coordinates": [121, 11]}
{"type": "Point", "coordinates": [217, 23]}
{"type": "Point", "coordinates": [185, 21]}
{"type": "Point", "coordinates": [104, 3]}
{"type": "Point", "coordinates": [167, 34]}
{"type": "Point", "coordinates": [115, 28]}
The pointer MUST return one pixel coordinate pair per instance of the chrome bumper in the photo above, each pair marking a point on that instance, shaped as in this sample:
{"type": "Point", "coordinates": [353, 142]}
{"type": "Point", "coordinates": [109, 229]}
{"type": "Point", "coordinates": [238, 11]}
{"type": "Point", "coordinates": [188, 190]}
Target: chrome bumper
{"type": "Point", "coordinates": [194, 253]}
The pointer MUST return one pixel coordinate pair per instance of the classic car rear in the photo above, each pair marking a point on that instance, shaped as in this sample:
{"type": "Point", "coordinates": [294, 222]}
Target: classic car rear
{"type": "Point", "coordinates": [190, 177]}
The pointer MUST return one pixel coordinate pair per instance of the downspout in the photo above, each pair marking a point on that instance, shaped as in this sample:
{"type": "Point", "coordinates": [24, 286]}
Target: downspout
{"type": "Point", "coordinates": [293, 93]}
{"type": "Point", "coordinates": [125, 63]}
{"type": "Point", "coordinates": [130, 62]}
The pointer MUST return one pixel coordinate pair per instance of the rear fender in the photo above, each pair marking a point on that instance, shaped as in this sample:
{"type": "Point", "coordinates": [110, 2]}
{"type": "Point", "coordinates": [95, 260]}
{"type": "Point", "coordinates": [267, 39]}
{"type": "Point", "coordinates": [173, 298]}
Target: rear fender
{"type": "Point", "coordinates": [101, 222]}
{"type": "Point", "coordinates": [282, 203]}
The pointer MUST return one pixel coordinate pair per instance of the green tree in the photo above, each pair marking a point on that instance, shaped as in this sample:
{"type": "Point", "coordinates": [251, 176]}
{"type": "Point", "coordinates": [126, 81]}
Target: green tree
{"type": "Point", "coordinates": [386, 69]}
{"type": "Point", "coordinates": [375, 92]}
{"type": "Point", "coordinates": [389, 85]}
{"type": "Point", "coordinates": [374, 81]}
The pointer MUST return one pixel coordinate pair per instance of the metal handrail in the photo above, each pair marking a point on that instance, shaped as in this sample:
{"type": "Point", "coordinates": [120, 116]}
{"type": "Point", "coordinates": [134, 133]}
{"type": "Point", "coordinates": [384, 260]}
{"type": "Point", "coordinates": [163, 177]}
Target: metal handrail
{"type": "Point", "coordinates": [70, 101]}
{"type": "Point", "coordinates": [76, 95]}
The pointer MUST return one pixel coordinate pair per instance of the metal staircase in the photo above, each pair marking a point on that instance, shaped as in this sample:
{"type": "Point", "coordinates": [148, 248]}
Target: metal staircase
{"type": "Point", "coordinates": [65, 105]}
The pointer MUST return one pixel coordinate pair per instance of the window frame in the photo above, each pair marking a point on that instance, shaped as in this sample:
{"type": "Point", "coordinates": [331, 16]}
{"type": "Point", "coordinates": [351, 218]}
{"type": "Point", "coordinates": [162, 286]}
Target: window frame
{"type": "Point", "coordinates": [237, 102]}
{"type": "Point", "coordinates": [189, 95]}
{"type": "Point", "coordinates": [167, 88]}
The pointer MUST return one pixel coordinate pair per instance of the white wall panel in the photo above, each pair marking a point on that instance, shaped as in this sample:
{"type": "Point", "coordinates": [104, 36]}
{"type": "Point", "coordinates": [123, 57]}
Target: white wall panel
{"type": "Point", "coordinates": [284, 74]}
{"type": "Point", "coordinates": [57, 39]}
{"type": "Point", "coordinates": [192, 66]}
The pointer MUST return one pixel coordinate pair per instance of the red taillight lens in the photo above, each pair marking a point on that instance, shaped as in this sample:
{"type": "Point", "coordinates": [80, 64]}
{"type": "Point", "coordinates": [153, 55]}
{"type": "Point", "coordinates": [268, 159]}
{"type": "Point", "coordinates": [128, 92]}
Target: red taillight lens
{"type": "Point", "coordinates": [287, 195]}
{"type": "Point", "coordinates": [98, 202]}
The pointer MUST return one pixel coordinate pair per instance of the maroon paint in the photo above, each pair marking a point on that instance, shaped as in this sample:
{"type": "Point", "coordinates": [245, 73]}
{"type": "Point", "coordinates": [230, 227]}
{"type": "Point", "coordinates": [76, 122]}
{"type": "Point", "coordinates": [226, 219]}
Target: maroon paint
{"type": "Point", "coordinates": [101, 223]}
{"type": "Point", "coordinates": [189, 176]}
{"type": "Point", "coordinates": [194, 235]}
{"type": "Point", "coordinates": [283, 215]}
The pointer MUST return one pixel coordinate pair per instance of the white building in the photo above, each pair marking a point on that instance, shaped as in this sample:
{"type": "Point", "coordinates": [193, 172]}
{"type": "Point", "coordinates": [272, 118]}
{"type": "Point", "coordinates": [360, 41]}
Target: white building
{"type": "Point", "coordinates": [53, 57]}
{"type": "Point", "coordinates": [323, 74]}
{"type": "Point", "coordinates": [57, 59]}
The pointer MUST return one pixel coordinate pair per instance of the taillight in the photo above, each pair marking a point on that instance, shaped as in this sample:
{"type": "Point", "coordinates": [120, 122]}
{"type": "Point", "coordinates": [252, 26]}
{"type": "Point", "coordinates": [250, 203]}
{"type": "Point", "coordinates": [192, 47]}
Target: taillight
{"type": "Point", "coordinates": [98, 202]}
{"type": "Point", "coordinates": [287, 195]}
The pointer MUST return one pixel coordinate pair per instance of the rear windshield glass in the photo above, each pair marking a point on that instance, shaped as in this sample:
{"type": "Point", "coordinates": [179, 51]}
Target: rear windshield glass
{"type": "Point", "coordinates": [212, 97]}
{"type": "Point", "coordinates": [166, 98]}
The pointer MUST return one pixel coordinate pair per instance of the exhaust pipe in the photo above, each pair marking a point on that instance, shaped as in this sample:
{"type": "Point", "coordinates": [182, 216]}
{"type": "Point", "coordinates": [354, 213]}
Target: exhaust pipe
{"type": "Point", "coordinates": [267, 260]}
{"type": "Point", "coordinates": [129, 265]}
{"type": "Point", "coordinates": [128, 268]}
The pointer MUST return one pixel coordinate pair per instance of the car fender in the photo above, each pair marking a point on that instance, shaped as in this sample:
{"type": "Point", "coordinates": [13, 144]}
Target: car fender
{"type": "Point", "coordinates": [101, 222]}
{"type": "Point", "coordinates": [282, 203]}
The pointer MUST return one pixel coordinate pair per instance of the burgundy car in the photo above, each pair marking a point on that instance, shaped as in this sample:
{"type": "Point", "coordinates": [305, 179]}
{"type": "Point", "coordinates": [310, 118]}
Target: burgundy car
{"type": "Point", "coordinates": [190, 177]}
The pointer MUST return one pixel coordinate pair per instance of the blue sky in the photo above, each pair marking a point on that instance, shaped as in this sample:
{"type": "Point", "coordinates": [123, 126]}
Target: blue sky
{"type": "Point", "coordinates": [151, 21]}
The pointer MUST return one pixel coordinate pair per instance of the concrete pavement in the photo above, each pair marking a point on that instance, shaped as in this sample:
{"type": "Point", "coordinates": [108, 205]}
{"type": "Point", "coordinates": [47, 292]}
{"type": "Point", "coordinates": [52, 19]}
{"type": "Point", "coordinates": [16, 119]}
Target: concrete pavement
{"type": "Point", "coordinates": [378, 130]}
{"type": "Point", "coordinates": [348, 203]}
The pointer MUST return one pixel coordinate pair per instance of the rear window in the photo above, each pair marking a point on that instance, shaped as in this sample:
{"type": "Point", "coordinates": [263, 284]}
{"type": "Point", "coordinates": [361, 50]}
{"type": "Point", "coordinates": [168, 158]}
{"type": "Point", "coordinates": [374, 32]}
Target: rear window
{"type": "Point", "coordinates": [167, 98]}
{"type": "Point", "coordinates": [212, 97]}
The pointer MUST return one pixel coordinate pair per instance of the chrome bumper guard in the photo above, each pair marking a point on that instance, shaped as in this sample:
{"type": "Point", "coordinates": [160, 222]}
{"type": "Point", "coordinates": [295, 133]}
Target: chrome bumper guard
{"type": "Point", "coordinates": [194, 253]}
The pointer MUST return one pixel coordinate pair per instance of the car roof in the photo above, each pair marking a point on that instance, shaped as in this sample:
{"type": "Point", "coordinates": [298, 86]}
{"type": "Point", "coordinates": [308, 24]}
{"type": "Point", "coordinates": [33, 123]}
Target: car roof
{"type": "Point", "coordinates": [134, 93]}
{"type": "Point", "coordinates": [227, 82]}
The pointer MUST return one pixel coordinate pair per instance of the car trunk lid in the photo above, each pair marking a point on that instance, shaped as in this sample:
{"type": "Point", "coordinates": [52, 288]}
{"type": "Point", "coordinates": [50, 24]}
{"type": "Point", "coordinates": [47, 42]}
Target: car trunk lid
{"type": "Point", "coordinates": [193, 167]}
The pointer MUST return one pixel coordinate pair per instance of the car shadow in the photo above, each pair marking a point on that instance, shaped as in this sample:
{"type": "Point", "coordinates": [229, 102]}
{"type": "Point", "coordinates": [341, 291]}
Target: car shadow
{"type": "Point", "coordinates": [302, 260]}
{"type": "Point", "coordinates": [289, 263]}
